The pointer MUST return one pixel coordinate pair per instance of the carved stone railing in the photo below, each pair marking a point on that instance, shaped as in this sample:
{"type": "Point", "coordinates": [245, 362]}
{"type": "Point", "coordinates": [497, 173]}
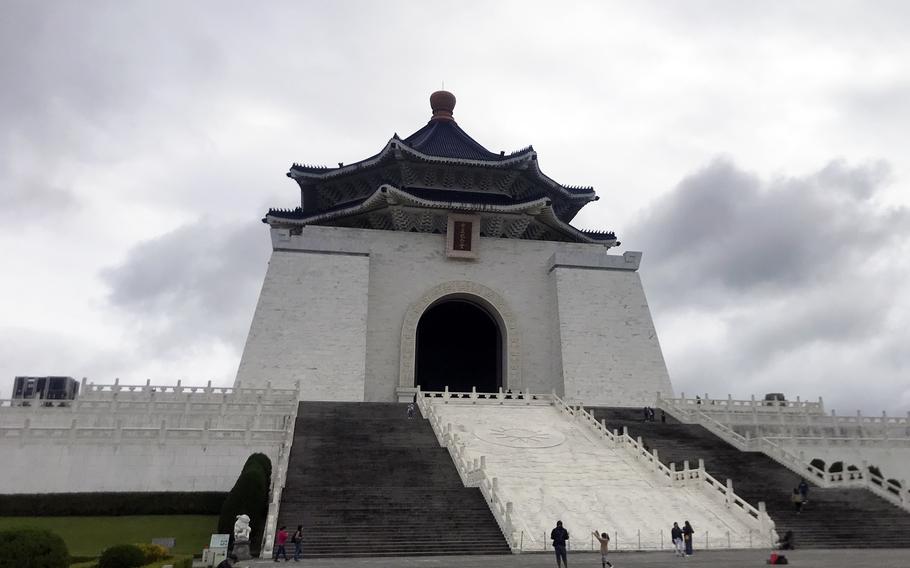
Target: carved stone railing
{"type": "Point", "coordinates": [794, 417]}
{"type": "Point", "coordinates": [119, 434]}
{"type": "Point", "coordinates": [687, 477]}
{"type": "Point", "coordinates": [473, 472]}
{"type": "Point", "coordinates": [89, 390]}
{"type": "Point", "coordinates": [894, 493]}
{"type": "Point", "coordinates": [279, 479]}
{"type": "Point", "coordinates": [797, 406]}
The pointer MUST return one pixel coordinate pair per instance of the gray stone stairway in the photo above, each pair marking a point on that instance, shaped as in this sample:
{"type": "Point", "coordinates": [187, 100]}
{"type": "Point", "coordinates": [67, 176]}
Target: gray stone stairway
{"type": "Point", "coordinates": [833, 518]}
{"type": "Point", "coordinates": [363, 480]}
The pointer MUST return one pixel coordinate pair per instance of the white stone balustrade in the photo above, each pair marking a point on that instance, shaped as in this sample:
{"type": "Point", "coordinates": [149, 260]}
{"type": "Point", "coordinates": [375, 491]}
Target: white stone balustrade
{"type": "Point", "coordinates": [531, 484]}
{"type": "Point", "coordinates": [120, 438]}
{"type": "Point", "coordinates": [798, 463]}
{"type": "Point", "coordinates": [279, 480]}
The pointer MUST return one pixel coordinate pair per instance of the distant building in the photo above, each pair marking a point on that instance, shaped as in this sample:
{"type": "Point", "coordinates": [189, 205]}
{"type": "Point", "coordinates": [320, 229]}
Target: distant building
{"type": "Point", "coordinates": [45, 388]}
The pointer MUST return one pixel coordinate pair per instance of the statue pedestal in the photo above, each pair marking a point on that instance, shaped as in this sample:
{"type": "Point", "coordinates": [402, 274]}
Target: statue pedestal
{"type": "Point", "coordinates": [241, 550]}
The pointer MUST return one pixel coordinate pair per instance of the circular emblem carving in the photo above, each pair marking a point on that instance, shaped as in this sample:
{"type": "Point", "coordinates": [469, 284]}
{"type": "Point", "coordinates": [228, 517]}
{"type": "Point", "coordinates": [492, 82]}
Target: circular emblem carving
{"type": "Point", "coordinates": [520, 437]}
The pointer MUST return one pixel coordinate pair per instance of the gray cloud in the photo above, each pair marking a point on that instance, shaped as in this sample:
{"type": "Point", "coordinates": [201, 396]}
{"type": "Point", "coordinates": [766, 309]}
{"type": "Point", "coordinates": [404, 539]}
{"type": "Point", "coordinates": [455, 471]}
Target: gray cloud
{"type": "Point", "coordinates": [790, 282]}
{"type": "Point", "coordinates": [196, 284]}
{"type": "Point", "coordinates": [725, 231]}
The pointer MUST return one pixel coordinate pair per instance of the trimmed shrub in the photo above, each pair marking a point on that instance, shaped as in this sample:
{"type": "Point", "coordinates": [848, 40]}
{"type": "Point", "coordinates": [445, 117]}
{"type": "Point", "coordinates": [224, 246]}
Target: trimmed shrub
{"type": "Point", "coordinates": [262, 461]}
{"type": "Point", "coordinates": [894, 482]}
{"type": "Point", "coordinates": [852, 467]}
{"type": "Point", "coordinates": [873, 469]}
{"type": "Point", "coordinates": [122, 556]}
{"type": "Point", "coordinates": [249, 496]}
{"type": "Point", "coordinates": [818, 463]}
{"type": "Point", "coordinates": [836, 467]}
{"type": "Point", "coordinates": [32, 548]}
{"type": "Point", "coordinates": [153, 552]}
{"type": "Point", "coordinates": [111, 504]}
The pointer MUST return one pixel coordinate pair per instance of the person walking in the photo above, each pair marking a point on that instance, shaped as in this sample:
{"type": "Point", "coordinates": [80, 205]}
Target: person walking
{"type": "Point", "coordinates": [797, 500]}
{"type": "Point", "coordinates": [280, 539]}
{"type": "Point", "coordinates": [559, 536]}
{"type": "Point", "coordinates": [411, 407]}
{"type": "Point", "coordinates": [297, 539]}
{"type": "Point", "coordinates": [804, 490]}
{"type": "Point", "coordinates": [688, 531]}
{"type": "Point", "coordinates": [604, 540]}
{"type": "Point", "coordinates": [676, 535]}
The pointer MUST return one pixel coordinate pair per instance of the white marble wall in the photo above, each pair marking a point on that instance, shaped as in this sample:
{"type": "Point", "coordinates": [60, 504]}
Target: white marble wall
{"type": "Point", "coordinates": [311, 325]}
{"type": "Point", "coordinates": [47, 467]}
{"type": "Point", "coordinates": [332, 312]}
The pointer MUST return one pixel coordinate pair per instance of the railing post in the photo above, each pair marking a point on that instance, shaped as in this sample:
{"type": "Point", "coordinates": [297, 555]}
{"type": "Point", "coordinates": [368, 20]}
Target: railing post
{"type": "Point", "coordinates": [763, 518]}
{"type": "Point", "coordinates": [728, 498]}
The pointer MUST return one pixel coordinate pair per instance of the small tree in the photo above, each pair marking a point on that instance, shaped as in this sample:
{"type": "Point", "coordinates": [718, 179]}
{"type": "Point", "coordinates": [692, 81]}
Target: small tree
{"type": "Point", "coordinates": [32, 548]}
{"type": "Point", "coordinates": [818, 463]}
{"type": "Point", "coordinates": [249, 496]}
{"type": "Point", "coordinates": [122, 556]}
{"type": "Point", "coordinates": [836, 467]}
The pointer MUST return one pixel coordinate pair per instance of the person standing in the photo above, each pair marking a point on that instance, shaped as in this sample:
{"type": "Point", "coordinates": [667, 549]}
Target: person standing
{"type": "Point", "coordinates": [297, 539]}
{"type": "Point", "coordinates": [676, 535]}
{"type": "Point", "coordinates": [280, 539]}
{"type": "Point", "coordinates": [559, 536]}
{"type": "Point", "coordinates": [688, 531]}
{"type": "Point", "coordinates": [604, 540]}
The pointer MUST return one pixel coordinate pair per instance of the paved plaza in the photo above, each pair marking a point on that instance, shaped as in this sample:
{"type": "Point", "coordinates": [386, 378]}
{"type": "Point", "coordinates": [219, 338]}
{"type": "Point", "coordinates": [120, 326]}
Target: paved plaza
{"type": "Point", "coordinates": [877, 558]}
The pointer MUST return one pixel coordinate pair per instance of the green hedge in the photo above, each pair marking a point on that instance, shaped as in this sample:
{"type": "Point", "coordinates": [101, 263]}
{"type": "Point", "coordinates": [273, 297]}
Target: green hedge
{"type": "Point", "coordinates": [111, 504]}
{"type": "Point", "coordinates": [32, 548]}
{"type": "Point", "coordinates": [122, 556]}
{"type": "Point", "coordinates": [249, 496]}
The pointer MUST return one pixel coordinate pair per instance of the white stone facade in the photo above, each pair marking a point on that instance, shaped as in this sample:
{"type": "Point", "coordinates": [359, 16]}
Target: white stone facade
{"type": "Point", "coordinates": [338, 306]}
{"type": "Point", "coordinates": [120, 438]}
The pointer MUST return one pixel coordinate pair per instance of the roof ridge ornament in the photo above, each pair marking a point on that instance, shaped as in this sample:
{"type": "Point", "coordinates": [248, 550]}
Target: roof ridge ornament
{"type": "Point", "coordinates": [443, 104]}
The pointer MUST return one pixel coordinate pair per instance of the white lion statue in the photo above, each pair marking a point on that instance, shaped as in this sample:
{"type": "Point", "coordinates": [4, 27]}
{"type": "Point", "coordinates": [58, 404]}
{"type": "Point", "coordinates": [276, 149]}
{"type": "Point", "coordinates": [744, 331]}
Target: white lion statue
{"type": "Point", "coordinates": [242, 529]}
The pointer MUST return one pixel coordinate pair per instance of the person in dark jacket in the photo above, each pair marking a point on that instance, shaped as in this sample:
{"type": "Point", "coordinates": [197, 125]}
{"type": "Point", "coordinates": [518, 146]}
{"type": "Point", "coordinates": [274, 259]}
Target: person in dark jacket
{"type": "Point", "coordinates": [804, 490]}
{"type": "Point", "coordinates": [676, 535]}
{"type": "Point", "coordinates": [688, 531]}
{"type": "Point", "coordinates": [559, 536]}
{"type": "Point", "coordinates": [227, 562]}
{"type": "Point", "coordinates": [297, 539]}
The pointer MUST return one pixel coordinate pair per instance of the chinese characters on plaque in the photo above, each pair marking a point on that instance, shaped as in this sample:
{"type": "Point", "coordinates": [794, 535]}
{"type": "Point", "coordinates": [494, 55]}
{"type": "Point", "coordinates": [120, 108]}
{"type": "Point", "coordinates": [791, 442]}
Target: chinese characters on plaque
{"type": "Point", "coordinates": [463, 236]}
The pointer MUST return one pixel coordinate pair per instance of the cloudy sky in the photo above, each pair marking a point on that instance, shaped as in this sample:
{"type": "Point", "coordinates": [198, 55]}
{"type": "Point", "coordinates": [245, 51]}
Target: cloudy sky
{"type": "Point", "coordinates": [757, 152]}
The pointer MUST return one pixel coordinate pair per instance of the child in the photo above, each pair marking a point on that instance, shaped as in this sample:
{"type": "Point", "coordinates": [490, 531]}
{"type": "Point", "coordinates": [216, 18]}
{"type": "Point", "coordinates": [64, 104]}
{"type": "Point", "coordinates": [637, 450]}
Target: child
{"type": "Point", "coordinates": [604, 540]}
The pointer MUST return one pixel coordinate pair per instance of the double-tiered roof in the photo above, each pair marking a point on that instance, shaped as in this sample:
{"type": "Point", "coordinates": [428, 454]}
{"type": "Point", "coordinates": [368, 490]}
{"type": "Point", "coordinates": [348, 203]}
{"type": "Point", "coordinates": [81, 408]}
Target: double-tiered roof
{"type": "Point", "coordinates": [413, 183]}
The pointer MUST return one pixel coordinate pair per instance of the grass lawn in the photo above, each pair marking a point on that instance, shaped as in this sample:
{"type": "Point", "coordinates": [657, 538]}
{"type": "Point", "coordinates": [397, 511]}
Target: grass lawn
{"type": "Point", "coordinates": [89, 536]}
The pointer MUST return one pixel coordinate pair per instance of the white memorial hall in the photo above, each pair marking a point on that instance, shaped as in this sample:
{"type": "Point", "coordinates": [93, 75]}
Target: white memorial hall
{"type": "Point", "coordinates": [441, 274]}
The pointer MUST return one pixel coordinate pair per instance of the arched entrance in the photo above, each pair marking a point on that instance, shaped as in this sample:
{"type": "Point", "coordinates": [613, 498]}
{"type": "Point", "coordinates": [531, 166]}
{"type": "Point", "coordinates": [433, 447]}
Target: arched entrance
{"type": "Point", "coordinates": [459, 345]}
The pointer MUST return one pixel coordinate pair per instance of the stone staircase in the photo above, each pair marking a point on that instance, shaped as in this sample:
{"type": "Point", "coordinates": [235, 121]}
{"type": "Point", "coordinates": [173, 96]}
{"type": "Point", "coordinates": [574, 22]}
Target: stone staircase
{"type": "Point", "coordinates": [363, 480]}
{"type": "Point", "coordinates": [833, 518]}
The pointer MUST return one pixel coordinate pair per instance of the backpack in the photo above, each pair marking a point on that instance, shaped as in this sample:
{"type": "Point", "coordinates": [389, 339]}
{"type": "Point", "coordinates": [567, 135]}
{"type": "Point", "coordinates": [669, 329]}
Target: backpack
{"type": "Point", "coordinates": [778, 559]}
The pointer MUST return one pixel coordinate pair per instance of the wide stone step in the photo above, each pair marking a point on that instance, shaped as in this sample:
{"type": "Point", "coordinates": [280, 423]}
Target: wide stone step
{"type": "Point", "coordinates": [366, 481]}
{"type": "Point", "coordinates": [833, 518]}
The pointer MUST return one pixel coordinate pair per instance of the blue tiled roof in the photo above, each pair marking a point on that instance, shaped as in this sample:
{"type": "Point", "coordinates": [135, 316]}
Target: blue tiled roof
{"type": "Point", "coordinates": [446, 139]}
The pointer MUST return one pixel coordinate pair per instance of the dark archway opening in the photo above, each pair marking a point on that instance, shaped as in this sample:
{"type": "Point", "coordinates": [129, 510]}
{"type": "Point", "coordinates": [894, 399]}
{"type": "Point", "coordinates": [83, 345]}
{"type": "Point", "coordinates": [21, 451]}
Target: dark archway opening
{"type": "Point", "coordinates": [459, 345]}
